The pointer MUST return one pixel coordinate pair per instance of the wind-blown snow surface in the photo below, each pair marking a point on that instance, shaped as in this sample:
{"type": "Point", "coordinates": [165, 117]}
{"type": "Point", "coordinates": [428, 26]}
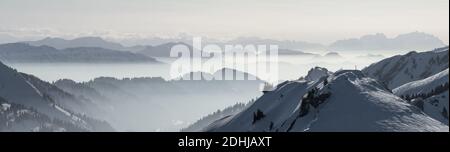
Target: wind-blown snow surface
{"type": "Point", "coordinates": [429, 94]}
{"type": "Point", "coordinates": [401, 69]}
{"type": "Point", "coordinates": [355, 103]}
{"type": "Point", "coordinates": [422, 86]}
{"type": "Point", "coordinates": [205, 121]}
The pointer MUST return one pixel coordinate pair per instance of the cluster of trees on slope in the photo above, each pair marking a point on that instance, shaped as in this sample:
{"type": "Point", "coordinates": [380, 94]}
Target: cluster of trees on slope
{"type": "Point", "coordinates": [437, 90]}
{"type": "Point", "coordinates": [16, 117]}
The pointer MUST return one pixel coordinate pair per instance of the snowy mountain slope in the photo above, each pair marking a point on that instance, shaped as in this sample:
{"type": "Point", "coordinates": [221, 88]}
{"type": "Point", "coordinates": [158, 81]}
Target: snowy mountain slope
{"type": "Point", "coordinates": [277, 105]}
{"type": "Point", "coordinates": [345, 101]}
{"type": "Point", "coordinates": [15, 88]}
{"type": "Point", "coordinates": [436, 106]}
{"type": "Point", "coordinates": [67, 100]}
{"type": "Point", "coordinates": [401, 69]}
{"type": "Point", "coordinates": [422, 86]}
{"type": "Point", "coordinates": [18, 118]}
{"type": "Point", "coordinates": [21, 89]}
{"type": "Point", "coordinates": [429, 94]}
{"type": "Point", "coordinates": [205, 121]}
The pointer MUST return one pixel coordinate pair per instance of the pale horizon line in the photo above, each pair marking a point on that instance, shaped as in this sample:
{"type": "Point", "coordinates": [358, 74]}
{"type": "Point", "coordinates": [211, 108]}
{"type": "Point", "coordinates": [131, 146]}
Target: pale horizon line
{"type": "Point", "coordinates": [181, 36]}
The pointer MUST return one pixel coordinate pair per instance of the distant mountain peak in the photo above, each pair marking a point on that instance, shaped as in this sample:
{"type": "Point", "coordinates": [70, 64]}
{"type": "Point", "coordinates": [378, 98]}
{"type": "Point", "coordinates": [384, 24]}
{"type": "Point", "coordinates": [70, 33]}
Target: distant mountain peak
{"type": "Point", "coordinates": [51, 38]}
{"type": "Point", "coordinates": [374, 36]}
{"type": "Point", "coordinates": [89, 41]}
{"type": "Point", "coordinates": [27, 53]}
{"type": "Point", "coordinates": [90, 38]}
{"type": "Point", "coordinates": [332, 54]}
{"type": "Point", "coordinates": [403, 42]}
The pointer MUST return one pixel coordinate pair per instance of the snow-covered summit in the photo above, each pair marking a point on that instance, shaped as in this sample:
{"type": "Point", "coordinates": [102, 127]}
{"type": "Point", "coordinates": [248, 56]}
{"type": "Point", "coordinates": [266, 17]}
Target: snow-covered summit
{"type": "Point", "coordinates": [345, 101]}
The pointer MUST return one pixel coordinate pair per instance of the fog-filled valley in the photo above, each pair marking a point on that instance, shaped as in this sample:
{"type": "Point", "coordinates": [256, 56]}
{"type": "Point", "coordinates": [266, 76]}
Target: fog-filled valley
{"type": "Point", "coordinates": [290, 67]}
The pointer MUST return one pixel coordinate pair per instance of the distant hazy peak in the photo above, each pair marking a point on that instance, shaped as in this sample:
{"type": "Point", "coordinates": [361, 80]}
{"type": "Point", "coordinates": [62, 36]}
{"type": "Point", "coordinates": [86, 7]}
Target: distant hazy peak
{"type": "Point", "coordinates": [61, 43]}
{"type": "Point", "coordinates": [373, 36]}
{"type": "Point", "coordinates": [409, 41]}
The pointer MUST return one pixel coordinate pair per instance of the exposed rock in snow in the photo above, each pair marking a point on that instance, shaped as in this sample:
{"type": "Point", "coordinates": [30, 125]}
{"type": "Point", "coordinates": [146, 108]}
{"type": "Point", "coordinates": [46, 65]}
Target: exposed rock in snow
{"type": "Point", "coordinates": [345, 101]}
{"type": "Point", "coordinates": [316, 73]}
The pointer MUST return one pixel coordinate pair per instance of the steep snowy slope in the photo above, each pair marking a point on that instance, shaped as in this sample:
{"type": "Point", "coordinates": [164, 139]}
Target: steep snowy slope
{"type": "Point", "coordinates": [14, 88]}
{"type": "Point", "coordinates": [345, 101]}
{"type": "Point", "coordinates": [24, 90]}
{"type": "Point", "coordinates": [436, 106]}
{"type": "Point", "coordinates": [76, 104]}
{"type": "Point", "coordinates": [429, 94]}
{"type": "Point", "coordinates": [205, 121]}
{"type": "Point", "coordinates": [18, 118]}
{"type": "Point", "coordinates": [422, 86]}
{"type": "Point", "coordinates": [401, 69]}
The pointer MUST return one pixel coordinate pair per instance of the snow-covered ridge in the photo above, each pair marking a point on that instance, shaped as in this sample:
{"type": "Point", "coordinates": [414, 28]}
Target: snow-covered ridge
{"type": "Point", "coordinates": [345, 101]}
{"type": "Point", "coordinates": [205, 121]}
{"type": "Point", "coordinates": [30, 92]}
{"type": "Point", "coordinates": [431, 95]}
{"type": "Point", "coordinates": [422, 86]}
{"type": "Point", "coordinates": [398, 70]}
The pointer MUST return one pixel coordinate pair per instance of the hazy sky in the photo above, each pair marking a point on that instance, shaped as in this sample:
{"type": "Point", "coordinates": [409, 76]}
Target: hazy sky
{"type": "Point", "coordinates": [321, 21]}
